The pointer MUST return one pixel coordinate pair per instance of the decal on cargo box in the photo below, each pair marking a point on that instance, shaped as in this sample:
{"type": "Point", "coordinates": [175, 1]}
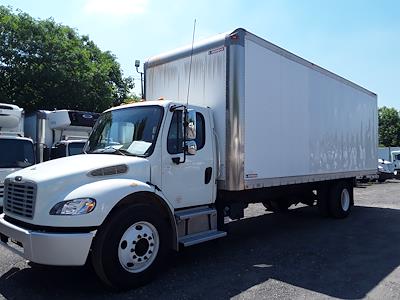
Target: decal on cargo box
{"type": "Point", "coordinates": [251, 175]}
{"type": "Point", "coordinates": [216, 50]}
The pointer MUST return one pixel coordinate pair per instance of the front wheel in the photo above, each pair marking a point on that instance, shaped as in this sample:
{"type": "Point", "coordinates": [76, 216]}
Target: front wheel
{"type": "Point", "coordinates": [130, 248]}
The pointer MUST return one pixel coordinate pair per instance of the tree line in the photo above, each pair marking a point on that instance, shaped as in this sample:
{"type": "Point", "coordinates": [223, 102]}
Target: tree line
{"type": "Point", "coordinates": [46, 65]}
{"type": "Point", "coordinates": [389, 126]}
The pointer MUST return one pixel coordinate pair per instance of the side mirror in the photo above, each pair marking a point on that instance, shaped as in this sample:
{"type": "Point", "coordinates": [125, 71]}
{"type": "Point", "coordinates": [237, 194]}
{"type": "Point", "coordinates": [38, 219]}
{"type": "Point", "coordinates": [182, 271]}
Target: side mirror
{"type": "Point", "coordinates": [191, 124]}
{"type": "Point", "coordinates": [191, 147]}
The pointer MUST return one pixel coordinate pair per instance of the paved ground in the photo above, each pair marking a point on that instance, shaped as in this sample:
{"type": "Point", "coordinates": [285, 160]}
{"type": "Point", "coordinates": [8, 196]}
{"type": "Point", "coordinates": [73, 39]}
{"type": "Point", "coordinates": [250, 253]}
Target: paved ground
{"type": "Point", "coordinates": [298, 255]}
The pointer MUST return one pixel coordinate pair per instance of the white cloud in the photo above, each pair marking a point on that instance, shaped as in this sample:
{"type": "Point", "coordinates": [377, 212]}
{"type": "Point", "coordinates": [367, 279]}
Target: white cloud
{"type": "Point", "coordinates": [116, 7]}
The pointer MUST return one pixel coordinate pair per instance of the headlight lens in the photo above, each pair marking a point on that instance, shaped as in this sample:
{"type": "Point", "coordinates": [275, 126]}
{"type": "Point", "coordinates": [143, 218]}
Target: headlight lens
{"type": "Point", "coordinates": [74, 207]}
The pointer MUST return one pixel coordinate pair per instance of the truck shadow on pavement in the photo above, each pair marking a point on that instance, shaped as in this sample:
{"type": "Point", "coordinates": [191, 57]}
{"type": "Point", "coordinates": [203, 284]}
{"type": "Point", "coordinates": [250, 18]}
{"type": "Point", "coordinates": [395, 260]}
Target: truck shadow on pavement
{"type": "Point", "coordinates": [264, 256]}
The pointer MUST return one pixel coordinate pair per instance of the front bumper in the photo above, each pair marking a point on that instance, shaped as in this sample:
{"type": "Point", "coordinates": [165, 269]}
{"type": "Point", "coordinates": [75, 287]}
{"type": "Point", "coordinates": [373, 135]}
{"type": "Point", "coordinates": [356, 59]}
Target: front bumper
{"type": "Point", "coordinates": [58, 249]}
{"type": "Point", "coordinates": [385, 175]}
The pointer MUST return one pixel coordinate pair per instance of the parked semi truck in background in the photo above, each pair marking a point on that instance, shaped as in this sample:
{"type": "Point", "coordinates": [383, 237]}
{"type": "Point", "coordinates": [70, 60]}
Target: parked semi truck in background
{"type": "Point", "coordinates": [59, 133]}
{"type": "Point", "coordinates": [161, 175]}
{"type": "Point", "coordinates": [388, 163]}
{"type": "Point", "coordinates": [16, 151]}
{"type": "Point", "coordinates": [391, 154]}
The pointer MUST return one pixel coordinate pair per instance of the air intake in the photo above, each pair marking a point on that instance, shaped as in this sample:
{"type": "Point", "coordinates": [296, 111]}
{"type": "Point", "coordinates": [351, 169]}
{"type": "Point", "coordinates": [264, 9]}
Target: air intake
{"type": "Point", "coordinates": [113, 170]}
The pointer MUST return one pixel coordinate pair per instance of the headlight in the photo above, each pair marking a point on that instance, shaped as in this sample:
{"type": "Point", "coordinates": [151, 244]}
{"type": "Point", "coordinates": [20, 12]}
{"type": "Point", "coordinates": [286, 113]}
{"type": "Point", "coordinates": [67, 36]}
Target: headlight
{"type": "Point", "coordinates": [74, 207]}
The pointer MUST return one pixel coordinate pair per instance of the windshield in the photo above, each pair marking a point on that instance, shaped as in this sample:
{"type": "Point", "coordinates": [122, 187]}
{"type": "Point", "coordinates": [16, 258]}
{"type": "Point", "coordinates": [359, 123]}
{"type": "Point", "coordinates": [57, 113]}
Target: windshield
{"type": "Point", "coordinates": [127, 131]}
{"type": "Point", "coordinates": [75, 148]}
{"type": "Point", "coordinates": [16, 153]}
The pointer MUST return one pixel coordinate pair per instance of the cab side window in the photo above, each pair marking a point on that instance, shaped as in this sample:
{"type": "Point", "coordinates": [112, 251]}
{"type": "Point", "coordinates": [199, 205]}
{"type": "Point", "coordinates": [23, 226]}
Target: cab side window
{"type": "Point", "coordinates": [175, 134]}
{"type": "Point", "coordinates": [200, 131]}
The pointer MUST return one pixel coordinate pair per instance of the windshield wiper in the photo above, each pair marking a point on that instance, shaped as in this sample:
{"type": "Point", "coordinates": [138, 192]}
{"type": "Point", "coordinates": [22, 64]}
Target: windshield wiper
{"type": "Point", "coordinates": [112, 150]}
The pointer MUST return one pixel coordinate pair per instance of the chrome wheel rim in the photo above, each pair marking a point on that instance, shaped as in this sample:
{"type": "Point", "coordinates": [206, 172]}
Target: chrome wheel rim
{"type": "Point", "coordinates": [138, 247]}
{"type": "Point", "coordinates": [345, 200]}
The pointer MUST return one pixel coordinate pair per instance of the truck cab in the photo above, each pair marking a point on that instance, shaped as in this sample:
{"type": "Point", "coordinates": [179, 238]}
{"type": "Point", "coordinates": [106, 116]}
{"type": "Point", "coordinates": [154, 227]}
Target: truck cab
{"type": "Point", "coordinates": [137, 155]}
{"type": "Point", "coordinates": [396, 161]}
{"type": "Point", "coordinates": [16, 151]}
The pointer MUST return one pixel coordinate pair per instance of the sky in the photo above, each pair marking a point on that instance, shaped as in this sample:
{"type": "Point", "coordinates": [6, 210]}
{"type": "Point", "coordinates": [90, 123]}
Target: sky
{"type": "Point", "coordinates": [356, 39]}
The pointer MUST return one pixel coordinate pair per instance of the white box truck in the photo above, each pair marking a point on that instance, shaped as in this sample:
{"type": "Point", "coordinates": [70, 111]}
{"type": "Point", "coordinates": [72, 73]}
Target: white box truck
{"type": "Point", "coordinates": [262, 125]}
{"type": "Point", "coordinates": [16, 151]}
{"type": "Point", "coordinates": [59, 133]}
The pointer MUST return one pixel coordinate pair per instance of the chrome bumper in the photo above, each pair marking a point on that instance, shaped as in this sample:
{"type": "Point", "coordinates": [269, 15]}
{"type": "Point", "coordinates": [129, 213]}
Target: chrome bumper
{"type": "Point", "coordinates": [58, 249]}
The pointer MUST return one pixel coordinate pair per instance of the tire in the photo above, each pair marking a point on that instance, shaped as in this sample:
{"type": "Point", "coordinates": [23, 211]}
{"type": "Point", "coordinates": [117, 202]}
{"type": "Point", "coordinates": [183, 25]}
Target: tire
{"type": "Point", "coordinates": [340, 200]}
{"type": "Point", "coordinates": [130, 248]}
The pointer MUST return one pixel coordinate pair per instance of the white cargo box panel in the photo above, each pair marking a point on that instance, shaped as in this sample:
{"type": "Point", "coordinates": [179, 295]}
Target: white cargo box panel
{"type": "Point", "coordinates": [279, 118]}
{"type": "Point", "coordinates": [58, 119]}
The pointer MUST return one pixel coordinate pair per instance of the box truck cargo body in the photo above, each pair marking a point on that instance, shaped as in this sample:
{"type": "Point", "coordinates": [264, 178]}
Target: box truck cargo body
{"type": "Point", "coordinates": [279, 118]}
{"type": "Point", "coordinates": [256, 124]}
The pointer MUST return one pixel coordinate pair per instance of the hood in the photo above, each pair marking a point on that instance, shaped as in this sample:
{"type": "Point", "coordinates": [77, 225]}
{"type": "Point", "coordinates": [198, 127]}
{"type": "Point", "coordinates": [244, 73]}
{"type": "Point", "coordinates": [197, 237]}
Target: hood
{"type": "Point", "coordinates": [72, 166]}
{"type": "Point", "coordinates": [56, 179]}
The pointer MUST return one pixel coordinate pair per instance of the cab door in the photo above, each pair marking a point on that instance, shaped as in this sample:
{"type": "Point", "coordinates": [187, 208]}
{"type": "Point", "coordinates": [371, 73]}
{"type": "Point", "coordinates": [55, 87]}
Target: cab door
{"type": "Point", "coordinates": [191, 182]}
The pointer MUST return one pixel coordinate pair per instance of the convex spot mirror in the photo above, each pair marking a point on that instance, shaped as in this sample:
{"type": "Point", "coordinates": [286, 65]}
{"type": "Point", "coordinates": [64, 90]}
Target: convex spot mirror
{"type": "Point", "coordinates": [191, 147]}
{"type": "Point", "coordinates": [191, 124]}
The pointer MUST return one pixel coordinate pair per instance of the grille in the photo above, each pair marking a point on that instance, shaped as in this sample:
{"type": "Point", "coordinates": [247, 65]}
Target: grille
{"type": "Point", "coordinates": [1, 190]}
{"type": "Point", "coordinates": [19, 198]}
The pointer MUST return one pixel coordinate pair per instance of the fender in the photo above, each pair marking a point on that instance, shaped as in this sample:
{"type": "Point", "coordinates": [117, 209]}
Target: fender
{"type": "Point", "coordinates": [107, 193]}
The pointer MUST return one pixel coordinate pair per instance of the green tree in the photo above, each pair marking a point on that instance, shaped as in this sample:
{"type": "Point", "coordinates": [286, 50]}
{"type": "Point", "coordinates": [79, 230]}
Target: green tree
{"type": "Point", "coordinates": [389, 127]}
{"type": "Point", "coordinates": [46, 65]}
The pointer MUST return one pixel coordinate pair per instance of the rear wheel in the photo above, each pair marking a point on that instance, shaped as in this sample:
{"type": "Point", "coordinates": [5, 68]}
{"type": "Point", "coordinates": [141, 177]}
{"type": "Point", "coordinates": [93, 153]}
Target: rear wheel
{"type": "Point", "coordinates": [341, 199]}
{"type": "Point", "coordinates": [130, 248]}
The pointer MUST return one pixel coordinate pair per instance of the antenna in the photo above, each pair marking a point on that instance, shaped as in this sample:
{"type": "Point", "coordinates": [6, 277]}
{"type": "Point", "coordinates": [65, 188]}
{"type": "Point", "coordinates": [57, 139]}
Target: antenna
{"type": "Point", "coordinates": [190, 65]}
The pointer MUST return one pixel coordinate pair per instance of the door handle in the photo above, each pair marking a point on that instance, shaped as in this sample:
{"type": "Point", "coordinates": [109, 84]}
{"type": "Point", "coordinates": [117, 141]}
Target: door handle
{"type": "Point", "coordinates": [207, 175]}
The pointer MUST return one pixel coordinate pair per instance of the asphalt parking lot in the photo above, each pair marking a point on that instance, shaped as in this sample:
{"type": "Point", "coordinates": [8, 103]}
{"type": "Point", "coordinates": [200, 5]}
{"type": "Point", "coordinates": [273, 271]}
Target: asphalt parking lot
{"type": "Point", "coordinates": [298, 255]}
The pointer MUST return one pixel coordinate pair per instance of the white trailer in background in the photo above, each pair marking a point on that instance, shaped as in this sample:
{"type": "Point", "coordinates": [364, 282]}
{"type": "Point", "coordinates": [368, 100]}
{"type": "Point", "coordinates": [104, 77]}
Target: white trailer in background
{"type": "Point", "coordinates": [262, 125]}
{"type": "Point", "coordinates": [16, 151]}
{"type": "Point", "coordinates": [59, 133]}
{"type": "Point", "coordinates": [386, 153]}
{"type": "Point", "coordinates": [390, 156]}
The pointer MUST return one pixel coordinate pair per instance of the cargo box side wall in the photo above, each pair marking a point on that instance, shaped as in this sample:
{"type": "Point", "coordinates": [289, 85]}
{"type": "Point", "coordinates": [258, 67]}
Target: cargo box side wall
{"type": "Point", "coordinates": [169, 80]}
{"type": "Point", "coordinates": [302, 125]}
